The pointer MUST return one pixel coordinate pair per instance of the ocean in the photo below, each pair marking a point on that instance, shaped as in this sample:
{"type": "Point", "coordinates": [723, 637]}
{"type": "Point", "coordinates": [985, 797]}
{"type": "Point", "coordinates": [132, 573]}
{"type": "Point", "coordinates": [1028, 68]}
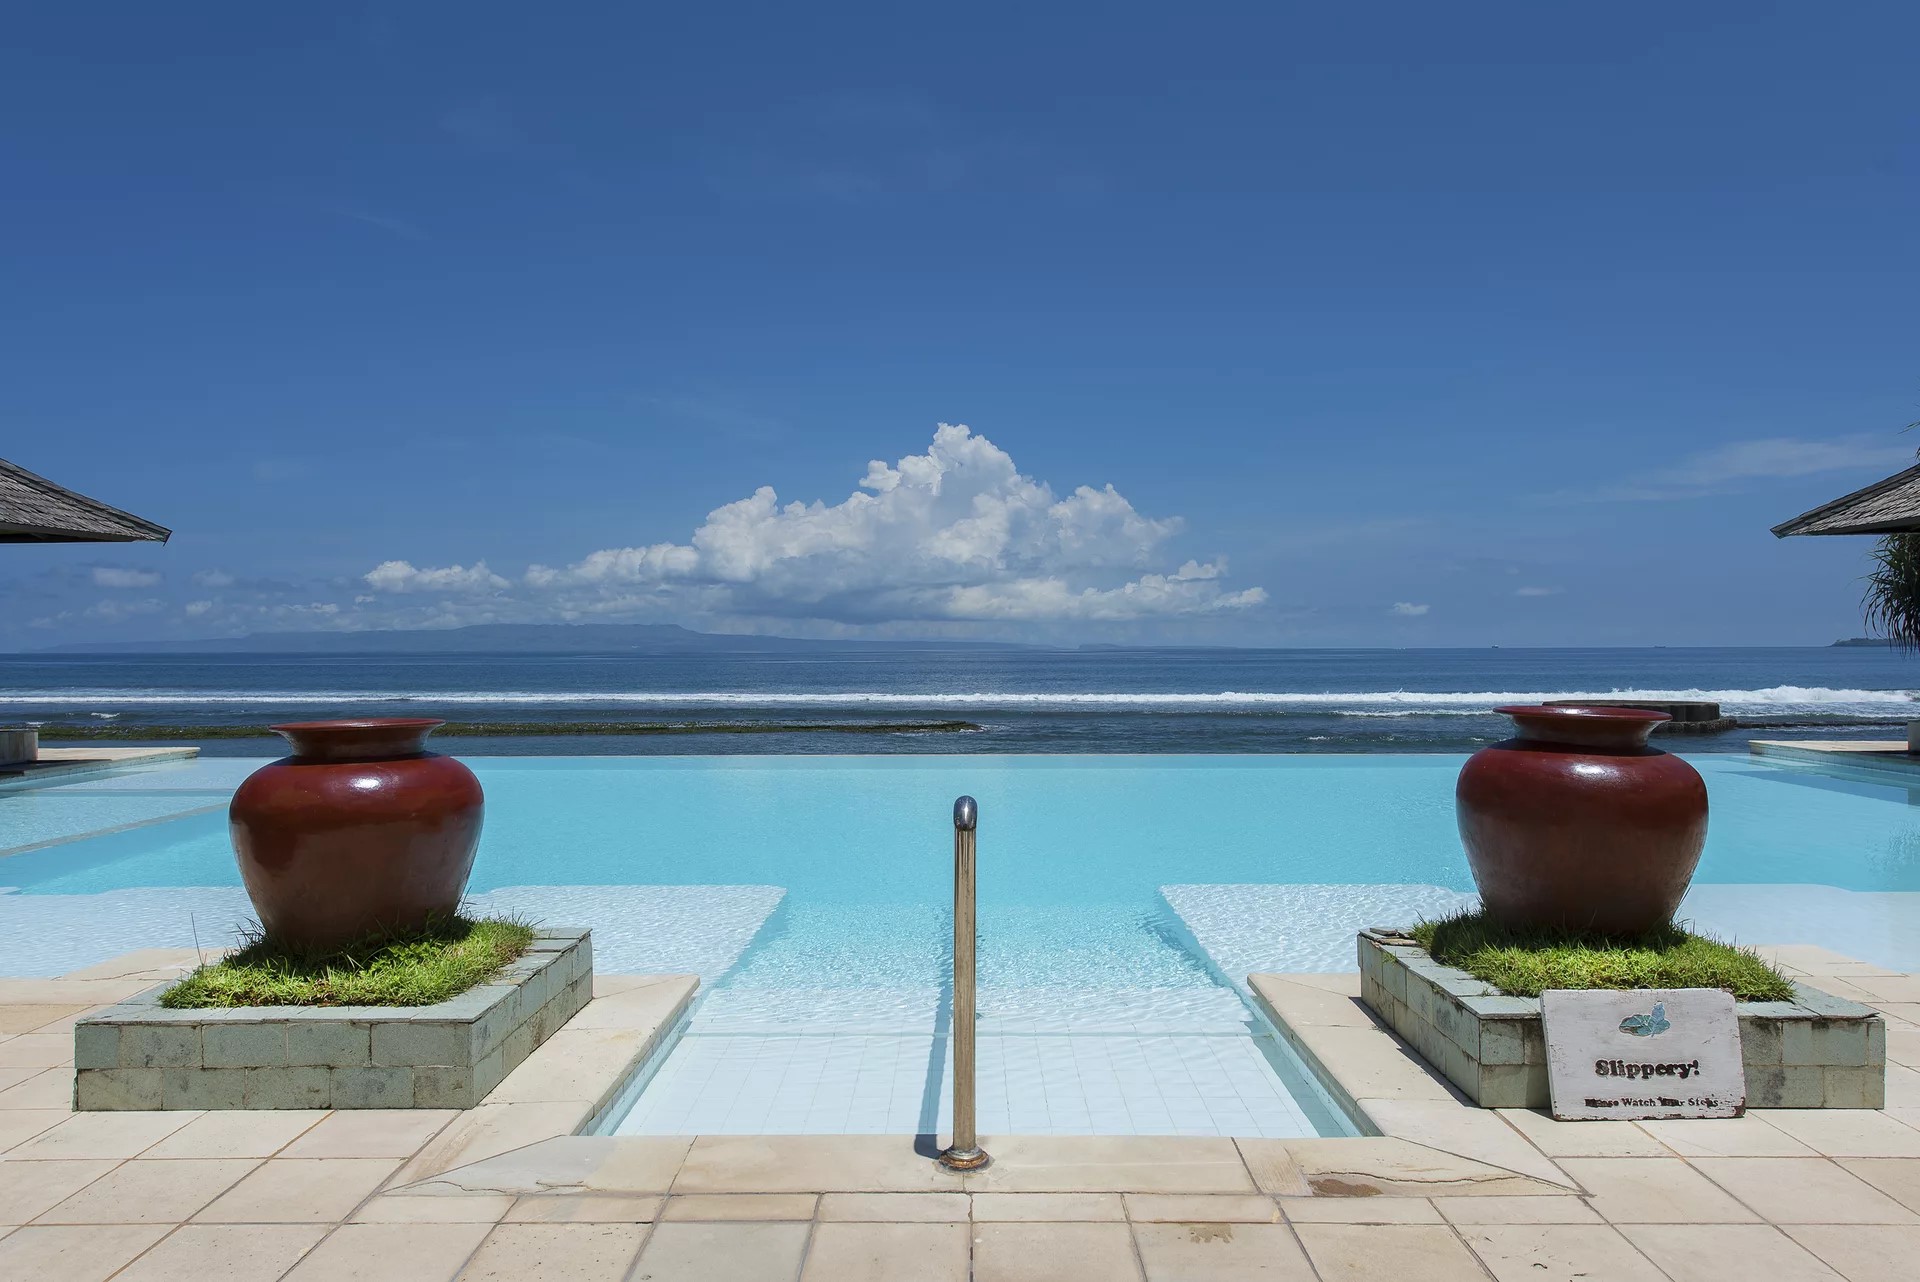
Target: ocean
{"type": "Point", "coordinates": [960, 700]}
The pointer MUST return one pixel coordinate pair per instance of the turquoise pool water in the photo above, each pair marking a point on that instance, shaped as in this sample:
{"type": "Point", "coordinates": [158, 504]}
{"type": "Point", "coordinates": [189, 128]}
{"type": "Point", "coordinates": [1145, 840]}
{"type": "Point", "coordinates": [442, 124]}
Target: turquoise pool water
{"type": "Point", "coordinates": [1123, 901]}
{"type": "Point", "coordinates": [1055, 831]}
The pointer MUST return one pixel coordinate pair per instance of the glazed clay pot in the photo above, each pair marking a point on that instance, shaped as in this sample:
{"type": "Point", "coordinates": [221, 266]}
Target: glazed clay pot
{"type": "Point", "coordinates": [1577, 824]}
{"type": "Point", "coordinates": [361, 830]}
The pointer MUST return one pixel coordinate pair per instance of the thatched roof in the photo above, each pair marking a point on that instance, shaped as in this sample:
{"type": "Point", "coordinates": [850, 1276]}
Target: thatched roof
{"type": "Point", "coordinates": [35, 510]}
{"type": "Point", "coordinates": [1891, 506]}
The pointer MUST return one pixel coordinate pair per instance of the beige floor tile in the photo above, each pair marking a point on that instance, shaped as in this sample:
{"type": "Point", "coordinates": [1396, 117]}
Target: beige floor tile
{"type": "Point", "coordinates": [64, 992]}
{"type": "Point", "coordinates": [43, 1088]}
{"type": "Point", "coordinates": [225, 1253]}
{"type": "Point", "coordinates": [74, 1253]}
{"type": "Point", "coordinates": [371, 1132]}
{"type": "Point", "coordinates": [1845, 1132]}
{"type": "Point", "coordinates": [898, 1208]}
{"type": "Point", "coordinates": [1903, 1046]}
{"type": "Point", "coordinates": [1201, 1208]}
{"type": "Point", "coordinates": [36, 1050]}
{"type": "Point", "coordinates": [1887, 988]}
{"type": "Point", "coordinates": [1726, 1137]}
{"type": "Point", "coordinates": [1369, 1252]}
{"type": "Point", "coordinates": [1302, 1005]}
{"type": "Point", "coordinates": [1897, 1177]}
{"type": "Point", "coordinates": [239, 1133]}
{"type": "Point", "coordinates": [1015, 1208]}
{"type": "Point", "coordinates": [1803, 1190]}
{"type": "Point", "coordinates": [28, 1189]}
{"type": "Point", "coordinates": [462, 1208]}
{"type": "Point", "coordinates": [488, 1131]}
{"type": "Point", "coordinates": [1382, 1166]}
{"type": "Point", "coordinates": [287, 1190]}
{"type": "Point", "coordinates": [1111, 1164]}
{"type": "Point", "coordinates": [645, 1005]}
{"type": "Point", "coordinates": [1559, 1253]}
{"type": "Point", "coordinates": [740, 1206]}
{"type": "Point", "coordinates": [1274, 1170]}
{"type": "Point", "coordinates": [1221, 1253]}
{"type": "Point", "coordinates": [627, 1164]}
{"type": "Point", "coordinates": [1360, 1210]}
{"type": "Point", "coordinates": [585, 1208]}
{"type": "Point", "coordinates": [1374, 1064]}
{"type": "Point", "coordinates": [556, 1253]}
{"type": "Point", "coordinates": [1516, 1210]}
{"type": "Point", "coordinates": [391, 1253]}
{"type": "Point", "coordinates": [1654, 1190]}
{"type": "Point", "coordinates": [1863, 1253]}
{"type": "Point", "coordinates": [574, 1065]}
{"type": "Point", "coordinates": [1009, 1252]}
{"type": "Point", "coordinates": [810, 1163]}
{"type": "Point", "coordinates": [16, 1019]}
{"type": "Point", "coordinates": [1903, 1087]}
{"type": "Point", "coordinates": [116, 1135]}
{"type": "Point", "coordinates": [148, 1192]}
{"type": "Point", "coordinates": [722, 1252]}
{"type": "Point", "coordinates": [1477, 1133]}
{"type": "Point", "coordinates": [1726, 1253]}
{"type": "Point", "coordinates": [139, 961]}
{"type": "Point", "coordinates": [18, 1125]}
{"type": "Point", "coordinates": [1582, 1139]}
{"type": "Point", "coordinates": [868, 1252]}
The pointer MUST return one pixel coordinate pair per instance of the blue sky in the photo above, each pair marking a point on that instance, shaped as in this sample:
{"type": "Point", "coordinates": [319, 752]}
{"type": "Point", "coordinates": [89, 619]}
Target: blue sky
{"type": "Point", "coordinates": [1385, 324]}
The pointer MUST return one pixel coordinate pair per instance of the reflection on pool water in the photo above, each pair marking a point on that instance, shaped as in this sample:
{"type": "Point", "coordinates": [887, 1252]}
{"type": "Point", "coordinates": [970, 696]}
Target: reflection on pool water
{"type": "Point", "coordinates": [812, 894]}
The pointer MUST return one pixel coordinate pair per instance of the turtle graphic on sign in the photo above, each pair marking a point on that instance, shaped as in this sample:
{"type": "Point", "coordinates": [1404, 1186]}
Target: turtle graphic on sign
{"type": "Point", "coordinates": [1651, 1025]}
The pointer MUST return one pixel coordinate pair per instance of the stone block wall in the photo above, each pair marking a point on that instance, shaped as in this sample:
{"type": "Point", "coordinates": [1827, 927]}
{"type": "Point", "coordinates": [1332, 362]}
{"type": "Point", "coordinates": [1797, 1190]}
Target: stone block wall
{"type": "Point", "coordinates": [140, 1055]}
{"type": "Point", "coordinates": [1817, 1051]}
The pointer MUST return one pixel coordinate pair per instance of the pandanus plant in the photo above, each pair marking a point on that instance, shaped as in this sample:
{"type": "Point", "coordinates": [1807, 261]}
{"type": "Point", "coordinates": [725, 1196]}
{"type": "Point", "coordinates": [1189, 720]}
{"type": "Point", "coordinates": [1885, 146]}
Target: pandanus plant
{"type": "Point", "coordinates": [1892, 601]}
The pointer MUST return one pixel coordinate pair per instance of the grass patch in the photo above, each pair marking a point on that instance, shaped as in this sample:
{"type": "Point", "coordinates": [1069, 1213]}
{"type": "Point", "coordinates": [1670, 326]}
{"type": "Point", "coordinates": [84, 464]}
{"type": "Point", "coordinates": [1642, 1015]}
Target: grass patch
{"type": "Point", "coordinates": [1525, 964]}
{"type": "Point", "coordinates": [415, 971]}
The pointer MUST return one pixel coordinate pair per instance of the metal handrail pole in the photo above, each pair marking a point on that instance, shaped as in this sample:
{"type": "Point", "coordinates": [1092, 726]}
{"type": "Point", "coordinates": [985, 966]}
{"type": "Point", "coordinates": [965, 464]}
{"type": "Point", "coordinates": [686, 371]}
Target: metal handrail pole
{"type": "Point", "coordinates": [965, 1153]}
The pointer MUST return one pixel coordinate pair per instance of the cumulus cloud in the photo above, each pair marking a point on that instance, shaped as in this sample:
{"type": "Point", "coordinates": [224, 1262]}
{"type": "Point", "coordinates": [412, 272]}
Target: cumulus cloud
{"type": "Point", "coordinates": [955, 534]}
{"type": "Point", "coordinates": [213, 579]}
{"type": "Point", "coordinates": [1537, 591]}
{"type": "Point", "coordinates": [401, 576]}
{"type": "Point", "coordinates": [1408, 609]}
{"type": "Point", "coordinates": [113, 576]}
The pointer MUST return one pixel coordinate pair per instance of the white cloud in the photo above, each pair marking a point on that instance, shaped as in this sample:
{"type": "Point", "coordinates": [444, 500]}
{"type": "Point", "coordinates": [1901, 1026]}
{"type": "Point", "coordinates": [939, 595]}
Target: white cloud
{"type": "Point", "coordinates": [1408, 609]}
{"type": "Point", "coordinates": [957, 533]}
{"type": "Point", "coordinates": [194, 609]}
{"type": "Point", "coordinates": [113, 576]}
{"type": "Point", "coordinates": [1537, 591]}
{"type": "Point", "coordinates": [214, 579]}
{"type": "Point", "coordinates": [1728, 467]}
{"type": "Point", "coordinates": [401, 576]}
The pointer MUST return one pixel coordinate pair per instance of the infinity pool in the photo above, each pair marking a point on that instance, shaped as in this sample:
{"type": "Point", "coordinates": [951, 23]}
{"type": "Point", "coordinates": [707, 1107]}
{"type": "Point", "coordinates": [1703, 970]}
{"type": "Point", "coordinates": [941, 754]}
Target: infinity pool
{"type": "Point", "coordinates": [1122, 902]}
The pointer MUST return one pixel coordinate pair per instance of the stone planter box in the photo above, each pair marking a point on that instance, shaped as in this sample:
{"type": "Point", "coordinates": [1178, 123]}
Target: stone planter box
{"type": "Point", "coordinates": [19, 745]}
{"type": "Point", "coordinates": [1817, 1051]}
{"type": "Point", "coordinates": [140, 1055]}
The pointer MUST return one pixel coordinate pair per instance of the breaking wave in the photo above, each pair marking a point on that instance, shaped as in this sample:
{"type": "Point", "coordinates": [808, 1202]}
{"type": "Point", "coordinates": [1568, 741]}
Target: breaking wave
{"type": "Point", "coordinates": [1349, 702]}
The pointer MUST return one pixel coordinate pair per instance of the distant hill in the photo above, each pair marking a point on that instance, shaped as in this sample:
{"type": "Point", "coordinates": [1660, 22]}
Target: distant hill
{"type": "Point", "coordinates": [513, 638]}
{"type": "Point", "coordinates": [1873, 641]}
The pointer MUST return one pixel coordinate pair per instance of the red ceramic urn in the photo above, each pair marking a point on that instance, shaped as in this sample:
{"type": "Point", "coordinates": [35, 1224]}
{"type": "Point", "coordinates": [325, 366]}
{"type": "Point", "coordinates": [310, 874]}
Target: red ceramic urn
{"type": "Point", "coordinates": [1576, 824]}
{"type": "Point", "coordinates": [360, 831]}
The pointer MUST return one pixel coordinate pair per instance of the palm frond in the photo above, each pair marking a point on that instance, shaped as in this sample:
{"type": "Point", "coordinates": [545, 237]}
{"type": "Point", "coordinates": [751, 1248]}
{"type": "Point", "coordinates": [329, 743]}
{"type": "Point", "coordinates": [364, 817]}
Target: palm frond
{"type": "Point", "coordinates": [1892, 601]}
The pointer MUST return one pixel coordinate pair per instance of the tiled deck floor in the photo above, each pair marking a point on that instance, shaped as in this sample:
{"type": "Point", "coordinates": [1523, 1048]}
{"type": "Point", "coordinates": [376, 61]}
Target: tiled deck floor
{"type": "Point", "coordinates": [321, 1196]}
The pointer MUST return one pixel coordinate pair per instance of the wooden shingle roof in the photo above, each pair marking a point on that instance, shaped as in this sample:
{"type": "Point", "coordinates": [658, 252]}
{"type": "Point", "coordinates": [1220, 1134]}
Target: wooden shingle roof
{"type": "Point", "coordinates": [35, 510]}
{"type": "Point", "coordinates": [1891, 506]}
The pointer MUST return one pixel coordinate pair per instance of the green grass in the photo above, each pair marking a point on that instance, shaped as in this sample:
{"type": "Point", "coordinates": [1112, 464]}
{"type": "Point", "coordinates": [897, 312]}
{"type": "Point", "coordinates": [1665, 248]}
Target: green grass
{"type": "Point", "coordinates": [1527, 963]}
{"type": "Point", "coordinates": [416, 971]}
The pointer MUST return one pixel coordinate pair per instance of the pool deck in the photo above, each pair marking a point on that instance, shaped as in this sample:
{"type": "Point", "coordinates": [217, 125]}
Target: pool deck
{"type": "Point", "coordinates": [1890, 755]}
{"type": "Point", "coordinates": [506, 1190]}
{"type": "Point", "coordinates": [56, 765]}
